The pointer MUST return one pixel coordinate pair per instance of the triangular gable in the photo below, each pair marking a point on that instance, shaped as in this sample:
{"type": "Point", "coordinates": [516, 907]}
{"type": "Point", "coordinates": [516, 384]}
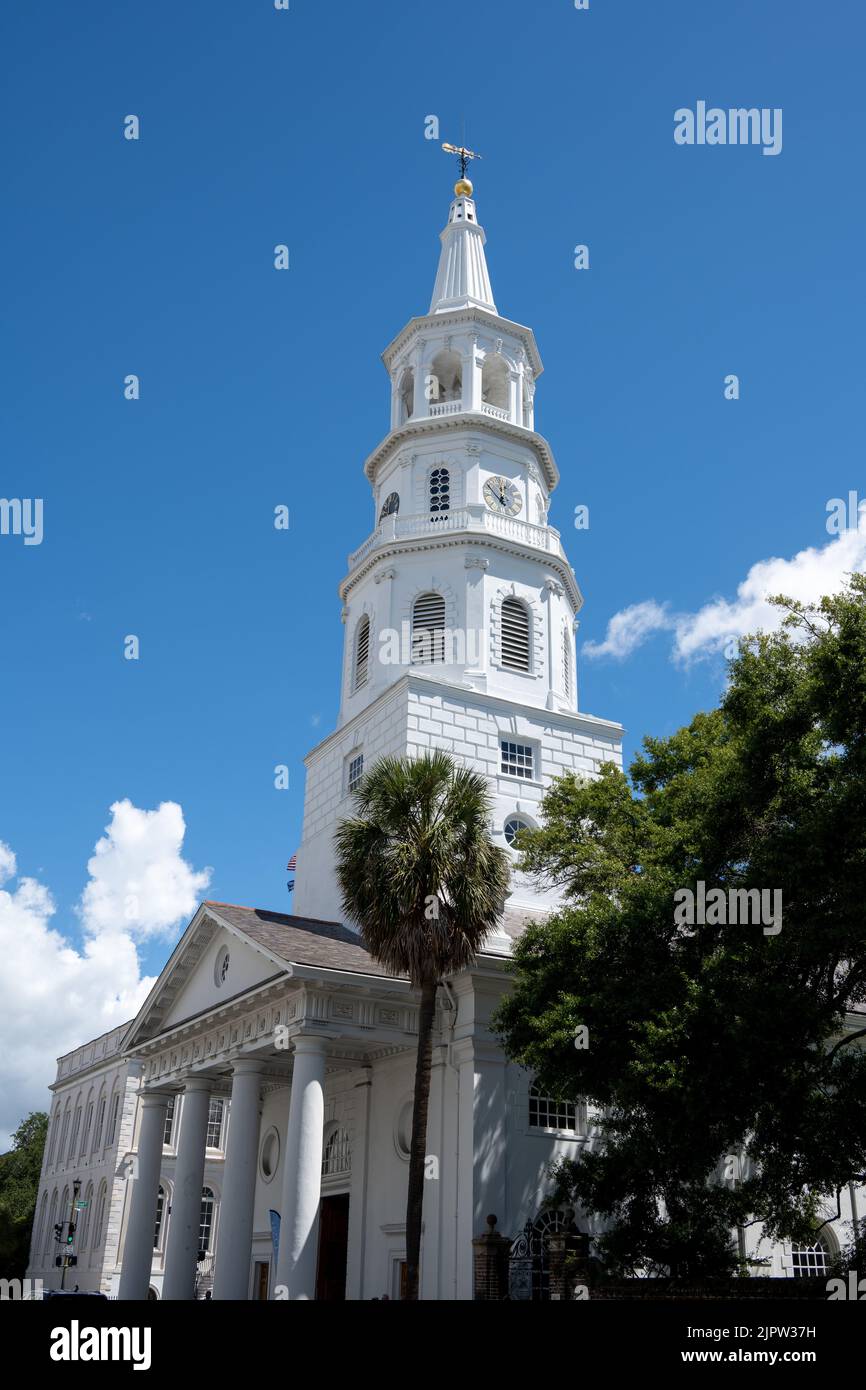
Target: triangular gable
{"type": "Point", "coordinates": [188, 983]}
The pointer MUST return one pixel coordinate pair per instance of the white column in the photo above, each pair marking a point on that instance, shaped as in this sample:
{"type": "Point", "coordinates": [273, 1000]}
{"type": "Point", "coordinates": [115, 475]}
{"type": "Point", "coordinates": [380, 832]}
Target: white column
{"type": "Point", "coordinates": [357, 1253]}
{"type": "Point", "coordinates": [234, 1245]}
{"type": "Point", "coordinates": [138, 1246]}
{"type": "Point", "coordinates": [302, 1178]}
{"type": "Point", "coordinates": [185, 1220]}
{"type": "Point", "coordinates": [420, 405]}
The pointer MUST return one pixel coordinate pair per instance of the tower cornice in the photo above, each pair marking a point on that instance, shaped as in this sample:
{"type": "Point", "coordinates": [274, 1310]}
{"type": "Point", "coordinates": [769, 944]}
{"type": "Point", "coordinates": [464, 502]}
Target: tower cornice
{"type": "Point", "coordinates": [412, 545]}
{"type": "Point", "coordinates": [451, 424]}
{"type": "Point", "coordinates": [459, 318]}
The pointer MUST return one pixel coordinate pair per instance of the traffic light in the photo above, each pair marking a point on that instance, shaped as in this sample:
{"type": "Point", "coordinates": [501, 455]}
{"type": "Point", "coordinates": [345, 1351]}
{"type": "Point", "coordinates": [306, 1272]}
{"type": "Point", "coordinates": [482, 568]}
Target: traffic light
{"type": "Point", "coordinates": [71, 1234]}
{"type": "Point", "coordinates": [71, 1260]}
{"type": "Point", "coordinates": [58, 1231]}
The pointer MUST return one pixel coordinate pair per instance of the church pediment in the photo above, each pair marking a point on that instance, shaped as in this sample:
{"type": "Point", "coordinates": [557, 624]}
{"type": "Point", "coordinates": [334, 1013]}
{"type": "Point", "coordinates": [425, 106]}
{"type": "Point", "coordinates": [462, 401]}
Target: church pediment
{"type": "Point", "coordinates": [213, 963]}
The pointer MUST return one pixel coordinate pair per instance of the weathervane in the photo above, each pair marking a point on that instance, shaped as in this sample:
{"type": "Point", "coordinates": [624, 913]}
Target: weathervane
{"type": "Point", "coordinates": [464, 156]}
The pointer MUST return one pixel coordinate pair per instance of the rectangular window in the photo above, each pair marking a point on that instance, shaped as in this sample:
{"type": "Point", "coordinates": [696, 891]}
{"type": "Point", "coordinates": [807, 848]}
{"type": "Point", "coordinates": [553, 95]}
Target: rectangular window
{"type": "Point", "coordinates": [355, 773]}
{"type": "Point", "coordinates": [517, 759]}
{"type": "Point", "coordinates": [215, 1124]}
{"type": "Point", "coordinates": [169, 1121]}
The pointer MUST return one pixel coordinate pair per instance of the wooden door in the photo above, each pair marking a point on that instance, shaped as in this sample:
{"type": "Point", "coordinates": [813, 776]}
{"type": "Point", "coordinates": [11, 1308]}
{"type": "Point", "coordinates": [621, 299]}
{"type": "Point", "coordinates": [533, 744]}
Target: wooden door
{"type": "Point", "coordinates": [333, 1248]}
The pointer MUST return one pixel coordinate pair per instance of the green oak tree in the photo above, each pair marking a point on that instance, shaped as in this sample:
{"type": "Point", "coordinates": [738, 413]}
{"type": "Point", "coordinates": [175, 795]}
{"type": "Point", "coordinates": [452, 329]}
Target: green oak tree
{"type": "Point", "coordinates": [19, 1187]}
{"type": "Point", "coordinates": [725, 1060]}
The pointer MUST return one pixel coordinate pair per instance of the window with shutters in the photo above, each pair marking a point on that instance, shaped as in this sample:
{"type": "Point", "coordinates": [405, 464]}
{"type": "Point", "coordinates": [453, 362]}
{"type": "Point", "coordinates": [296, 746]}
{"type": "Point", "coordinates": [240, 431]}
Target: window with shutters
{"type": "Point", "coordinates": [515, 635]}
{"type": "Point", "coordinates": [362, 654]}
{"type": "Point", "coordinates": [566, 663]}
{"type": "Point", "coordinates": [428, 629]}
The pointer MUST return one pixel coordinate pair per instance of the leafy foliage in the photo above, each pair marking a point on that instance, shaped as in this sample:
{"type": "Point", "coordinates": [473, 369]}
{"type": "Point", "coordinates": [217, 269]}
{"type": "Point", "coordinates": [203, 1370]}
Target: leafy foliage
{"type": "Point", "coordinates": [20, 1169]}
{"type": "Point", "coordinates": [714, 1050]}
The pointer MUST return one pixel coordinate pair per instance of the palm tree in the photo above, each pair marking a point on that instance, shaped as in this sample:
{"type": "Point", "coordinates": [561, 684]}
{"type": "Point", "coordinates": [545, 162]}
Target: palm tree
{"type": "Point", "coordinates": [422, 879]}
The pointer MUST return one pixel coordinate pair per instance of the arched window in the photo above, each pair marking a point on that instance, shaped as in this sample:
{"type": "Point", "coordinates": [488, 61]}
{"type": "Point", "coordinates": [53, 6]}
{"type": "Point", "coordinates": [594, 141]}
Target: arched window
{"type": "Point", "coordinates": [445, 379]}
{"type": "Point", "coordinates": [84, 1224]}
{"type": "Point", "coordinates": [515, 634]}
{"type": "Point", "coordinates": [440, 490]}
{"type": "Point", "coordinates": [160, 1212]}
{"type": "Point", "coordinates": [112, 1119]}
{"type": "Point", "coordinates": [407, 395]}
{"type": "Point", "coordinates": [809, 1261]}
{"type": "Point", "coordinates": [88, 1121]}
{"type": "Point", "coordinates": [50, 1242]}
{"type": "Point", "coordinates": [494, 381]}
{"type": "Point", "coordinates": [39, 1229]}
{"type": "Point", "coordinates": [566, 663]}
{"type": "Point", "coordinates": [64, 1133]}
{"type": "Point", "coordinates": [361, 665]}
{"type": "Point", "coordinates": [513, 827]}
{"type": "Point", "coordinates": [99, 1220]}
{"type": "Point", "coordinates": [76, 1121]}
{"type": "Point", "coordinates": [428, 629]}
{"type": "Point", "coordinates": [53, 1129]}
{"type": "Point", "coordinates": [100, 1121]}
{"type": "Point", "coordinates": [546, 1112]}
{"type": "Point", "coordinates": [336, 1157]}
{"type": "Point", "coordinates": [205, 1230]}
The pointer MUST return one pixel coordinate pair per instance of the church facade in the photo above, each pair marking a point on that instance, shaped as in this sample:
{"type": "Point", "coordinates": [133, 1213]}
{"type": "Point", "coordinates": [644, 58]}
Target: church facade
{"type": "Point", "coordinates": [247, 1134]}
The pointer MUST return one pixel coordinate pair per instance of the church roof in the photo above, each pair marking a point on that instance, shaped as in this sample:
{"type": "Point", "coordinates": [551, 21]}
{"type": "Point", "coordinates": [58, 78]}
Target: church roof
{"type": "Point", "coordinates": [300, 940]}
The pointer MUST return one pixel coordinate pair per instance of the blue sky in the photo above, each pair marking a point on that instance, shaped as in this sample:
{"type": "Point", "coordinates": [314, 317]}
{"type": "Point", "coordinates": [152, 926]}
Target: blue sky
{"type": "Point", "coordinates": [258, 388]}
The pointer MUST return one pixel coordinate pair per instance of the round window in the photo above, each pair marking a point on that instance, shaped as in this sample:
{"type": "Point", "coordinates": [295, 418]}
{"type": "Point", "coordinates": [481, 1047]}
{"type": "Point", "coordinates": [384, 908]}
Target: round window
{"type": "Point", "coordinates": [221, 968]}
{"type": "Point", "coordinates": [270, 1154]}
{"type": "Point", "coordinates": [513, 826]}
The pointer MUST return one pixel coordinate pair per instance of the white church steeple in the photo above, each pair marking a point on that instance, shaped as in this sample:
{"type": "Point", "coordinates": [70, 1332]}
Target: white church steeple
{"type": "Point", "coordinates": [459, 606]}
{"type": "Point", "coordinates": [462, 281]}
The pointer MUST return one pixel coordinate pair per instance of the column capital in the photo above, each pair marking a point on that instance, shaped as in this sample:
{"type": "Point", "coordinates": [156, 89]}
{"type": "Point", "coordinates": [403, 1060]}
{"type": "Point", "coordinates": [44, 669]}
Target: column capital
{"type": "Point", "coordinates": [155, 1097]}
{"type": "Point", "coordinates": [246, 1066]}
{"type": "Point", "coordinates": [196, 1083]}
{"type": "Point", "coordinates": [311, 1043]}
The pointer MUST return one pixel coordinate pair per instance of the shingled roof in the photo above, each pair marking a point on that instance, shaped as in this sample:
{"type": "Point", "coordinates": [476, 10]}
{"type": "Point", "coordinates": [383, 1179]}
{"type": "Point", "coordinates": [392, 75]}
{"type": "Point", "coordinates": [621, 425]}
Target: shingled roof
{"type": "Point", "coordinates": [301, 940]}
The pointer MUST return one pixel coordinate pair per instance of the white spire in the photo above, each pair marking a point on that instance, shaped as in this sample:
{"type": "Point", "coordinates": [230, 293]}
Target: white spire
{"type": "Point", "coordinates": [462, 281]}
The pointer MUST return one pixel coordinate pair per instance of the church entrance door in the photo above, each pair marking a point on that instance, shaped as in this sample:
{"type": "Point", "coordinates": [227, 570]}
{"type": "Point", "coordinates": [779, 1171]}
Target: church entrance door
{"type": "Point", "coordinates": [333, 1247]}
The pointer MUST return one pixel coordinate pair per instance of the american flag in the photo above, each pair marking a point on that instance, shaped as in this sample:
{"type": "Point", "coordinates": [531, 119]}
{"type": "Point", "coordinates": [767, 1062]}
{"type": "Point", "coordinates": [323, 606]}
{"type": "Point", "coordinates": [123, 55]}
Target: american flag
{"type": "Point", "coordinates": [292, 866]}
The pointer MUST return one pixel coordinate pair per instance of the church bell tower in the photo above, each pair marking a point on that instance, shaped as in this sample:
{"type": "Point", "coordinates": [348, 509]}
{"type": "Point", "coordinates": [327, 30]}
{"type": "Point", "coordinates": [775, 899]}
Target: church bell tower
{"type": "Point", "coordinates": [460, 606]}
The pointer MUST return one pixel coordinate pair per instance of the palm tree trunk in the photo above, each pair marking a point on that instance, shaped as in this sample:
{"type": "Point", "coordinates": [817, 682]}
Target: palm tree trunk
{"type": "Point", "coordinates": [418, 1148]}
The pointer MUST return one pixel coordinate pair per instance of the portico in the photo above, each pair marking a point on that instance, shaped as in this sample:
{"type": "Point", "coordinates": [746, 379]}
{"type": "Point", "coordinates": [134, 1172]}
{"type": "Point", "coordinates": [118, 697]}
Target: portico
{"type": "Point", "coordinates": [297, 1047]}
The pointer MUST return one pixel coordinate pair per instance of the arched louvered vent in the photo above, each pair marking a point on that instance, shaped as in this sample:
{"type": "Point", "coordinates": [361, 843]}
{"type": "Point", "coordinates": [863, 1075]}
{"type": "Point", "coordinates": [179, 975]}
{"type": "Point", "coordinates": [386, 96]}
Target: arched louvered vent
{"type": "Point", "coordinates": [515, 634]}
{"type": "Point", "coordinates": [428, 629]}
{"type": "Point", "coordinates": [362, 653]}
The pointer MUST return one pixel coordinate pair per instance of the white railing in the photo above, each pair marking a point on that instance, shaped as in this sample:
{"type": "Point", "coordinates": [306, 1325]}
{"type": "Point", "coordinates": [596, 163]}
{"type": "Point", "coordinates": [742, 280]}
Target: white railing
{"type": "Point", "coordinates": [446, 407]}
{"type": "Point", "coordinates": [473, 518]}
{"type": "Point", "coordinates": [496, 411]}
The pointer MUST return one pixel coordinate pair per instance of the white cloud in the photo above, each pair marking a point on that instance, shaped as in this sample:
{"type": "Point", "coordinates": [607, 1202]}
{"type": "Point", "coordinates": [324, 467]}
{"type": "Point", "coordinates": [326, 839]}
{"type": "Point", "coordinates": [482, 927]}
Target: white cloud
{"type": "Point", "coordinates": [629, 629]}
{"type": "Point", "coordinates": [55, 995]}
{"type": "Point", "coordinates": [138, 879]}
{"type": "Point", "coordinates": [807, 576]}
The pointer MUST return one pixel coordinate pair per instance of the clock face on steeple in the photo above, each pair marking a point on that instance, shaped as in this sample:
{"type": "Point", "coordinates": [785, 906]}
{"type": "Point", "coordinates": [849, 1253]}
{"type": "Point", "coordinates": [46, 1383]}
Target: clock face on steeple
{"type": "Point", "coordinates": [502, 496]}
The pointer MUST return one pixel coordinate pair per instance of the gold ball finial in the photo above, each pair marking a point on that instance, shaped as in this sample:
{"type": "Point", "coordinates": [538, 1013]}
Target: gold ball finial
{"type": "Point", "coordinates": [463, 188]}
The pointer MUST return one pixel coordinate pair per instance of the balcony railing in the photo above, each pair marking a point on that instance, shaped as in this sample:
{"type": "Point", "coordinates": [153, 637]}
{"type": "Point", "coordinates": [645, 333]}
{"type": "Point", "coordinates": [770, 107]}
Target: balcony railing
{"type": "Point", "coordinates": [446, 407]}
{"type": "Point", "coordinates": [473, 518]}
